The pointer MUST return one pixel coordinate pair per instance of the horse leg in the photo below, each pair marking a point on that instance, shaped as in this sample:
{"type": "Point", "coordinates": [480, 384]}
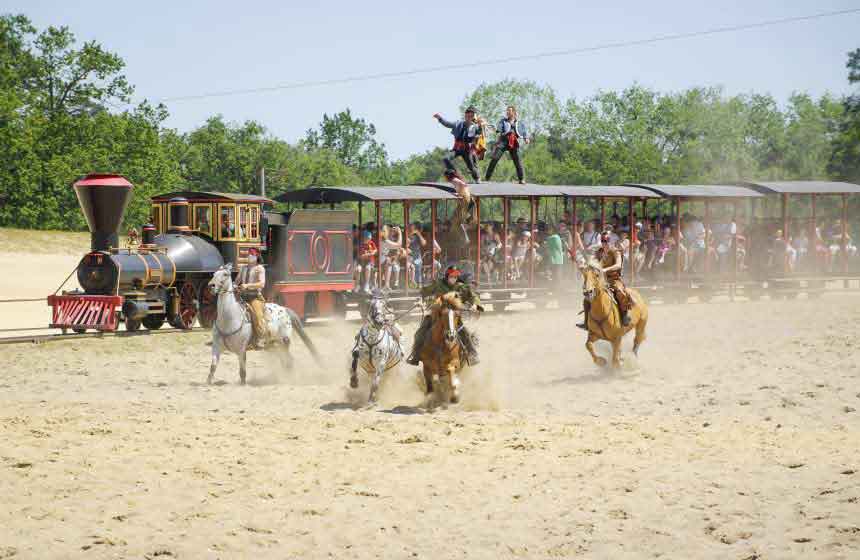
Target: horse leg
{"type": "Point", "coordinates": [353, 373]}
{"type": "Point", "coordinates": [616, 353]}
{"type": "Point", "coordinates": [454, 378]}
{"type": "Point", "coordinates": [216, 357]}
{"type": "Point", "coordinates": [428, 380]}
{"type": "Point", "coordinates": [374, 384]}
{"type": "Point", "coordinates": [640, 335]}
{"type": "Point", "coordinates": [589, 345]}
{"type": "Point", "coordinates": [242, 361]}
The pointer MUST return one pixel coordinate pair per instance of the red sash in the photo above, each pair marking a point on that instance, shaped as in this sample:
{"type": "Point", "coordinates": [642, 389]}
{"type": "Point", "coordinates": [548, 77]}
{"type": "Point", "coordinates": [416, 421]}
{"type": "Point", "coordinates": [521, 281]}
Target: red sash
{"type": "Point", "coordinates": [513, 142]}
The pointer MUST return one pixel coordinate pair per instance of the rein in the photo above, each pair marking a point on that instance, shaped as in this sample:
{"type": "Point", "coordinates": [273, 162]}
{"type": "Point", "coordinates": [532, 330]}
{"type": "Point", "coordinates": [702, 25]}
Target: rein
{"type": "Point", "coordinates": [242, 323]}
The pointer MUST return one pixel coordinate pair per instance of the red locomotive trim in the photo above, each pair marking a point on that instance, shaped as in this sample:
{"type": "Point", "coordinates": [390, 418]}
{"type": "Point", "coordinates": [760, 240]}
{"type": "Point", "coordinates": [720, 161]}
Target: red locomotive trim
{"type": "Point", "coordinates": [313, 287]}
{"type": "Point", "coordinates": [82, 311]}
{"type": "Point", "coordinates": [103, 180]}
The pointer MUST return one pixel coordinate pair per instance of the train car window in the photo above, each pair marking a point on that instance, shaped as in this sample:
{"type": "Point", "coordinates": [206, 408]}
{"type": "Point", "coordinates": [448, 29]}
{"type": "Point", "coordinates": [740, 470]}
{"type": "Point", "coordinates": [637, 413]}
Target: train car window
{"type": "Point", "coordinates": [255, 221]}
{"type": "Point", "coordinates": [203, 219]}
{"type": "Point", "coordinates": [243, 222]}
{"type": "Point", "coordinates": [228, 221]}
{"type": "Point", "coordinates": [155, 217]}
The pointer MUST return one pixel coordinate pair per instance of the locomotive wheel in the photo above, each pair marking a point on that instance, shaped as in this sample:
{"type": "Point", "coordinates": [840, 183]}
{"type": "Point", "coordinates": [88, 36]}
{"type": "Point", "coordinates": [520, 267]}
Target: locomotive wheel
{"type": "Point", "coordinates": [208, 307]}
{"type": "Point", "coordinates": [131, 325]}
{"type": "Point", "coordinates": [79, 330]}
{"type": "Point", "coordinates": [187, 307]}
{"type": "Point", "coordinates": [153, 322]}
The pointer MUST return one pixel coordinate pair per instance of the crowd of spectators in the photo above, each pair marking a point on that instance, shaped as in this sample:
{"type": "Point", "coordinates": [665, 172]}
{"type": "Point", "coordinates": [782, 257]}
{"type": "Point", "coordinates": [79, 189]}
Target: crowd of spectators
{"type": "Point", "coordinates": [552, 248]}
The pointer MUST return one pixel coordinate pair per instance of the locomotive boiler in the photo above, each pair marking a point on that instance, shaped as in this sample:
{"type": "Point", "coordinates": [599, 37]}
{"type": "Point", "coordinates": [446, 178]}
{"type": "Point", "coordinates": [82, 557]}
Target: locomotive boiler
{"type": "Point", "coordinates": [162, 279]}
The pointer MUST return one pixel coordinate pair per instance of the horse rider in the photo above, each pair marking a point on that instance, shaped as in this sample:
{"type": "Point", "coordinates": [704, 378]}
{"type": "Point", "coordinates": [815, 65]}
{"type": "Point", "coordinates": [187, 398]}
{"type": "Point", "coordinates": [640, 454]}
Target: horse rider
{"type": "Point", "coordinates": [612, 265]}
{"type": "Point", "coordinates": [465, 215]}
{"type": "Point", "coordinates": [466, 133]}
{"type": "Point", "coordinates": [450, 282]}
{"type": "Point", "coordinates": [510, 130]}
{"type": "Point", "coordinates": [250, 282]}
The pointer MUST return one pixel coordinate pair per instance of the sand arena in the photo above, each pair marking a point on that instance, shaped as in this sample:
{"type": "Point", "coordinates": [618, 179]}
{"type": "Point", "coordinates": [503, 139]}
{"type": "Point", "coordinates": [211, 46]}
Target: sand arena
{"type": "Point", "coordinates": [735, 435]}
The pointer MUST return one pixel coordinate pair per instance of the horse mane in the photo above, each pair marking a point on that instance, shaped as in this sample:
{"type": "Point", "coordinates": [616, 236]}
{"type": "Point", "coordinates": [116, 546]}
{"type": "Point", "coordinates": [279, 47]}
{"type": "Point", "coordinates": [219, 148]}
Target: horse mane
{"type": "Point", "coordinates": [591, 263]}
{"type": "Point", "coordinates": [450, 299]}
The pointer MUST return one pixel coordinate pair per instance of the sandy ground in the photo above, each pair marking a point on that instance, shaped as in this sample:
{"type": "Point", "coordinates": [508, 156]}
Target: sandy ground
{"type": "Point", "coordinates": [735, 435]}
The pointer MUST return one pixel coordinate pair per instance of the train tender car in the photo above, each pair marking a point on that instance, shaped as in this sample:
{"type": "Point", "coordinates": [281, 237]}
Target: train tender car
{"type": "Point", "coordinates": [310, 260]}
{"type": "Point", "coordinates": [165, 277]}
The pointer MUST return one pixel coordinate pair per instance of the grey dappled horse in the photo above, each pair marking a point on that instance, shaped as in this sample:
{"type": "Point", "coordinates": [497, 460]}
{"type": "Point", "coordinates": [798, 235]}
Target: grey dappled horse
{"type": "Point", "coordinates": [232, 330]}
{"type": "Point", "coordinates": [377, 347]}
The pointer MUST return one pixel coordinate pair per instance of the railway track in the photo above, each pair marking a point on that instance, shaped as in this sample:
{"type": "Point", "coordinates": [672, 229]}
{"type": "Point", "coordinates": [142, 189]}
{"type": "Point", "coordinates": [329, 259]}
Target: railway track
{"type": "Point", "coordinates": [56, 337]}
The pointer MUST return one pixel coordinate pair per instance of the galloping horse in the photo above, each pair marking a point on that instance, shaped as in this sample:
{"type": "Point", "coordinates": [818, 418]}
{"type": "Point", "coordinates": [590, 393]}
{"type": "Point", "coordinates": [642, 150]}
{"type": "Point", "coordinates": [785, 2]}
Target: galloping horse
{"type": "Point", "coordinates": [377, 348]}
{"type": "Point", "coordinates": [604, 319]}
{"type": "Point", "coordinates": [232, 329]}
{"type": "Point", "coordinates": [441, 356]}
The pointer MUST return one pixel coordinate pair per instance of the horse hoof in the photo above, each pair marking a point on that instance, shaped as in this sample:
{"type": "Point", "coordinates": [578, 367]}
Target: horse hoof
{"type": "Point", "coordinates": [353, 382]}
{"type": "Point", "coordinates": [241, 382]}
{"type": "Point", "coordinates": [600, 361]}
{"type": "Point", "coordinates": [455, 399]}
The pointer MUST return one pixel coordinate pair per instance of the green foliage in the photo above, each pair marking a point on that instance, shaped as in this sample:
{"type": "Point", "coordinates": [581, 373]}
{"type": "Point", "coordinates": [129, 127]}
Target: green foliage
{"type": "Point", "coordinates": [60, 118]}
{"type": "Point", "coordinates": [352, 140]}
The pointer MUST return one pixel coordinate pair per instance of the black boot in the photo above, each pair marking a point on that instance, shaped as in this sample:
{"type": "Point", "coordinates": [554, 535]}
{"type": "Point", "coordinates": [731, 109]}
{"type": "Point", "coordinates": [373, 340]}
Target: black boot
{"type": "Point", "coordinates": [418, 343]}
{"type": "Point", "coordinates": [469, 345]}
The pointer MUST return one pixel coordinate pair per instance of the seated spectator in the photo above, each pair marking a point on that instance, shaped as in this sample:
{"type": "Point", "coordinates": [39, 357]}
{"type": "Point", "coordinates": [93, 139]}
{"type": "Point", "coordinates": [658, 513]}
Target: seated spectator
{"type": "Point", "coordinates": [391, 249]}
{"type": "Point", "coordinates": [367, 259]}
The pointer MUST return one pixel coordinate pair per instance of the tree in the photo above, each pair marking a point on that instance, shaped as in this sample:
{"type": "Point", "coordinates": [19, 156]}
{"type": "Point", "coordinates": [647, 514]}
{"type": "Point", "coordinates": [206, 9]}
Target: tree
{"type": "Point", "coordinates": [351, 140]}
{"type": "Point", "coordinates": [845, 161]}
{"type": "Point", "coordinates": [537, 105]}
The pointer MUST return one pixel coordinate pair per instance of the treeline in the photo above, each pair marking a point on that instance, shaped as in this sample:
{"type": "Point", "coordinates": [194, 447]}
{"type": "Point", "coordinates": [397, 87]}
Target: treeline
{"type": "Point", "coordinates": [62, 115]}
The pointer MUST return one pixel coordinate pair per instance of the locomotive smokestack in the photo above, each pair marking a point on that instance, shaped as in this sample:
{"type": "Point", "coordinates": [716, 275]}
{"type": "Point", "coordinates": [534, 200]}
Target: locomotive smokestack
{"type": "Point", "coordinates": [103, 199]}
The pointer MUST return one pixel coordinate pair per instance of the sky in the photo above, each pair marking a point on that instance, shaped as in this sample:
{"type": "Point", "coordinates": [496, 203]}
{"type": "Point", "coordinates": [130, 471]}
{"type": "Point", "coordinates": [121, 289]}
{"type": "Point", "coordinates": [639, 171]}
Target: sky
{"type": "Point", "coordinates": [191, 47]}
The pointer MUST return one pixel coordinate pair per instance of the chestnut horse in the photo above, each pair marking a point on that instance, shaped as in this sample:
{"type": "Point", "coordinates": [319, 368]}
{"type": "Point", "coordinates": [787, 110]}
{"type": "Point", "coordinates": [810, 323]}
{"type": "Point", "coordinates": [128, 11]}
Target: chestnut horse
{"type": "Point", "coordinates": [440, 356]}
{"type": "Point", "coordinates": [604, 319]}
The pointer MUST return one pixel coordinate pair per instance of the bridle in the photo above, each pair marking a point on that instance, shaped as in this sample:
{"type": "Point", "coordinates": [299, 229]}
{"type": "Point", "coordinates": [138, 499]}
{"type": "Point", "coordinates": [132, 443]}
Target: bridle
{"type": "Point", "coordinates": [218, 290]}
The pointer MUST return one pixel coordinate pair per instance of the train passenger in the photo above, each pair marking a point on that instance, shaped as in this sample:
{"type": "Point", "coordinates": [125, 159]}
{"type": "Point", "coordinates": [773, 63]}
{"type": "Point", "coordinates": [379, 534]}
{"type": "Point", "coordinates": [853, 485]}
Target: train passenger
{"type": "Point", "coordinates": [391, 249]}
{"type": "Point", "coordinates": [250, 282]}
{"type": "Point", "coordinates": [415, 258]}
{"type": "Point", "coordinates": [510, 131]}
{"type": "Point", "coordinates": [227, 227]}
{"type": "Point", "coordinates": [466, 133]}
{"type": "Point", "coordinates": [555, 255]}
{"type": "Point", "coordinates": [367, 257]}
{"type": "Point", "coordinates": [590, 237]}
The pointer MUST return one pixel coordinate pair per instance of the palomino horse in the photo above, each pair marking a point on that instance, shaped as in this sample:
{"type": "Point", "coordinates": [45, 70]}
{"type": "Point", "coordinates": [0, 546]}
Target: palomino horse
{"type": "Point", "coordinates": [377, 347]}
{"type": "Point", "coordinates": [604, 319]}
{"type": "Point", "coordinates": [441, 354]}
{"type": "Point", "coordinates": [232, 329]}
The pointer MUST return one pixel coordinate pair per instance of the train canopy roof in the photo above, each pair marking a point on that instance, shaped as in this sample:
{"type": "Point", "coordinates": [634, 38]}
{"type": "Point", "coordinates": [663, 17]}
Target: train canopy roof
{"type": "Point", "coordinates": [700, 191]}
{"type": "Point", "coordinates": [330, 195]}
{"type": "Point", "coordinates": [194, 196]}
{"type": "Point", "coordinates": [803, 187]}
{"type": "Point", "coordinates": [516, 189]}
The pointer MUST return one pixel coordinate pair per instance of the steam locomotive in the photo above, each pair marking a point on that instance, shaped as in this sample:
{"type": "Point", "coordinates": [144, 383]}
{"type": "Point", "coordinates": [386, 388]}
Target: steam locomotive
{"type": "Point", "coordinates": [165, 277]}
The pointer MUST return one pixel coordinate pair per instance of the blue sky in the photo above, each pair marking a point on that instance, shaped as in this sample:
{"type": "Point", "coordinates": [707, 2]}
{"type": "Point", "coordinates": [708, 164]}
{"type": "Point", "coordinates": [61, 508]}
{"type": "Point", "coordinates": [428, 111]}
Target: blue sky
{"type": "Point", "coordinates": [192, 47]}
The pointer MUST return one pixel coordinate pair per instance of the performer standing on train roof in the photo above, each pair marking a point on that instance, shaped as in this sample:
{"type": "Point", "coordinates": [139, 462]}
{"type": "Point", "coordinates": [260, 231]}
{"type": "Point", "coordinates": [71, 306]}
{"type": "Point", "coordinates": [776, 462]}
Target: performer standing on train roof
{"type": "Point", "coordinates": [511, 130]}
{"type": "Point", "coordinates": [250, 283]}
{"type": "Point", "coordinates": [466, 133]}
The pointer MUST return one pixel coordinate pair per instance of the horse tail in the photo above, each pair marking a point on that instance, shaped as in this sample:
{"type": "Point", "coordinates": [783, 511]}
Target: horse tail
{"type": "Point", "coordinates": [300, 329]}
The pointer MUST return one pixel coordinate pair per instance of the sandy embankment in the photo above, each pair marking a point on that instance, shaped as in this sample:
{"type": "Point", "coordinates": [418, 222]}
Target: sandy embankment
{"type": "Point", "coordinates": [736, 436]}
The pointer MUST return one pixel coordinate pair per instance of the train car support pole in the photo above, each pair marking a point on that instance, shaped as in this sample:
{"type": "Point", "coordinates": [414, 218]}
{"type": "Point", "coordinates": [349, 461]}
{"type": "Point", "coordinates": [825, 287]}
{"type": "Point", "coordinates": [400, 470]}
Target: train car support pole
{"type": "Point", "coordinates": [733, 291]}
{"type": "Point", "coordinates": [678, 241]}
{"type": "Point", "coordinates": [378, 245]}
{"type": "Point", "coordinates": [844, 241]}
{"type": "Point", "coordinates": [433, 212]}
{"type": "Point", "coordinates": [602, 214]}
{"type": "Point", "coordinates": [573, 224]}
{"type": "Point", "coordinates": [631, 238]}
{"type": "Point", "coordinates": [506, 209]}
{"type": "Point", "coordinates": [812, 246]}
{"type": "Point", "coordinates": [478, 242]}
{"type": "Point", "coordinates": [705, 268]}
{"type": "Point", "coordinates": [533, 227]}
{"type": "Point", "coordinates": [405, 235]}
{"type": "Point", "coordinates": [359, 218]}
{"type": "Point", "coordinates": [786, 266]}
